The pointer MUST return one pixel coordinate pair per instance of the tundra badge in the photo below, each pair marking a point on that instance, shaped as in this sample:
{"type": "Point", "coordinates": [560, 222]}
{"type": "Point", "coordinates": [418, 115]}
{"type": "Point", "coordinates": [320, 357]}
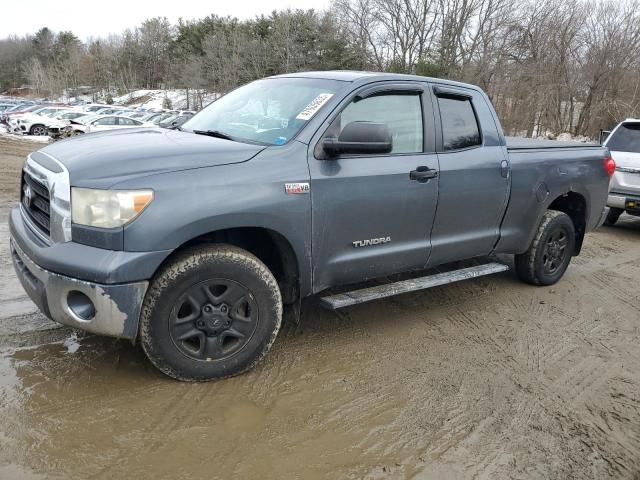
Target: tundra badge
{"type": "Point", "coordinates": [371, 241]}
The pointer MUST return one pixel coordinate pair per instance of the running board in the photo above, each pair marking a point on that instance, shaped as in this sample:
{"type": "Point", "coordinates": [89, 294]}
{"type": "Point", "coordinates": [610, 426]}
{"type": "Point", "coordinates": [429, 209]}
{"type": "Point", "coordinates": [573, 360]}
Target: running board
{"type": "Point", "coordinates": [340, 300]}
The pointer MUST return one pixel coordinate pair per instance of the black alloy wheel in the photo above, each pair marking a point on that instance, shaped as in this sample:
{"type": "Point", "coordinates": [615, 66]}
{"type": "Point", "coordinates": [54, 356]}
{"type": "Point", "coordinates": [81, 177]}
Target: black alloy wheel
{"type": "Point", "coordinates": [213, 311]}
{"type": "Point", "coordinates": [555, 251]}
{"type": "Point", "coordinates": [550, 252]}
{"type": "Point", "coordinates": [213, 319]}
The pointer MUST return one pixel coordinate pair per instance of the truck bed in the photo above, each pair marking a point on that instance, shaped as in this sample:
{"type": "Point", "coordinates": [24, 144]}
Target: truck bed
{"type": "Point", "coordinates": [519, 143]}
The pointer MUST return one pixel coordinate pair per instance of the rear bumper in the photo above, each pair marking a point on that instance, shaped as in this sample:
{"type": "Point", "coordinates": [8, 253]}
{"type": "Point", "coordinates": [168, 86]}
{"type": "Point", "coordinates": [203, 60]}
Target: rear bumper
{"type": "Point", "coordinates": [111, 310]}
{"type": "Point", "coordinates": [621, 200]}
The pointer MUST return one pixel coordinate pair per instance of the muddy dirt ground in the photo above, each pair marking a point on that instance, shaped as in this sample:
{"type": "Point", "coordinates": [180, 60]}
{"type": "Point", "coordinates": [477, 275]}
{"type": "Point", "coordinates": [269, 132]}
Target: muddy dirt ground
{"type": "Point", "coordinates": [487, 379]}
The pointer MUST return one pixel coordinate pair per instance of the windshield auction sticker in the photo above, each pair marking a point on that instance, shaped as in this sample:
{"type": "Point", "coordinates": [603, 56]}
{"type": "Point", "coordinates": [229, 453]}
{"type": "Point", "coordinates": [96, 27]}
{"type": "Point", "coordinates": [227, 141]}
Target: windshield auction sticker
{"type": "Point", "coordinates": [316, 104]}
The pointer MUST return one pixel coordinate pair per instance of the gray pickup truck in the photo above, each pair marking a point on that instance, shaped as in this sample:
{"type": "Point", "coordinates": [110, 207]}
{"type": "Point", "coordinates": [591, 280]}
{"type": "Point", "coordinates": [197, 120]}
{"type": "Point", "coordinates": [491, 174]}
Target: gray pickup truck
{"type": "Point", "coordinates": [196, 241]}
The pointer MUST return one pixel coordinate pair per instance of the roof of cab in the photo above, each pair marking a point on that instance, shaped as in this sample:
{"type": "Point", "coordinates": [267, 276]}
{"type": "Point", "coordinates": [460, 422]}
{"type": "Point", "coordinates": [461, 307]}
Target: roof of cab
{"type": "Point", "coordinates": [363, 77]}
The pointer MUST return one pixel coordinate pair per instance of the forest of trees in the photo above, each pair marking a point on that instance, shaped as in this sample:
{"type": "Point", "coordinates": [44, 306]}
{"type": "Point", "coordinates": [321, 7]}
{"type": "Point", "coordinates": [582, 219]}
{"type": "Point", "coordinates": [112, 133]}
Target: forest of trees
{"type": "Point", "coordinates": [548, 65]}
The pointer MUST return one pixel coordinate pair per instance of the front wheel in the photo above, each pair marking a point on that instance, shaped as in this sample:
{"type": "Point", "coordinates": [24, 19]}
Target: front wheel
{"type": "Point", "coordinates": [213, 312]}
{"type": "Point", "coordinates": [38, 130]}
{"type": "Point", "coordinates": [550, 252]}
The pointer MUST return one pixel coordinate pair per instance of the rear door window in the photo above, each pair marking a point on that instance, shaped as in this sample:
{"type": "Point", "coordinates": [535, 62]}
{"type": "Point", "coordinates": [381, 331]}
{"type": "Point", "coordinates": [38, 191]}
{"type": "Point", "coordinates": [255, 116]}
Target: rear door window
{"type": "Point", "coordinates": [459, 123]}
{"type": "Point", "coordinates": [626, 138]}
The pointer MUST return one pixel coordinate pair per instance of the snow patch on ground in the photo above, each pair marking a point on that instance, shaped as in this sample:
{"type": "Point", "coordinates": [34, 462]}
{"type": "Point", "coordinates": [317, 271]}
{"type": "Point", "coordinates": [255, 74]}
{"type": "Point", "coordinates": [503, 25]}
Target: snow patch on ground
{"type": "Point", "coordinates": [71, 343]}
{"type": "Point", "coordinates": [155, 99]}
{"type": "Point", "coordinates": [30, 138]}
{"type": "Point", "coordinates": [567, 137]}
{"type": "Point", "coordinates": [564, 137]}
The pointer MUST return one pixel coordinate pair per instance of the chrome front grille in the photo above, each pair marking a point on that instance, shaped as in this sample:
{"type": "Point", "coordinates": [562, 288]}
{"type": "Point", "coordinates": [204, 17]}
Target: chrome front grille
{"type": "Point", "coordinates": [45, 198]}
{"type": "Point", "coordinates": [36, 203]}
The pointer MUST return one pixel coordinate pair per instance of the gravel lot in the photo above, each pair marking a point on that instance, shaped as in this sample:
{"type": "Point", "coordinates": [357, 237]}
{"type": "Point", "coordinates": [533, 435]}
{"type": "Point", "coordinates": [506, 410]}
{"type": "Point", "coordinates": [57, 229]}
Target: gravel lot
{"type": "Point", "coordinates": [485, 379]}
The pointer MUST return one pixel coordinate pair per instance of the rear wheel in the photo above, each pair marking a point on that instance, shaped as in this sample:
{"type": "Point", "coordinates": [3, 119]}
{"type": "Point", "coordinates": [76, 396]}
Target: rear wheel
{"type": "Point", "coordinates": [213, 312]}
{"type": "Point", "coordinates": [613, 216]}
{"type": "Point", "coordinates": [550, 252]}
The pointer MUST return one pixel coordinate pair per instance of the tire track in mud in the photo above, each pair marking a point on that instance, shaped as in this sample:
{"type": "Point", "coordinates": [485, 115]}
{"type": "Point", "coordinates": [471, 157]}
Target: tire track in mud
{"type": "Point", "coordinates": [579, 382]}
{"type": "Point", "coordinates": [159, 434]}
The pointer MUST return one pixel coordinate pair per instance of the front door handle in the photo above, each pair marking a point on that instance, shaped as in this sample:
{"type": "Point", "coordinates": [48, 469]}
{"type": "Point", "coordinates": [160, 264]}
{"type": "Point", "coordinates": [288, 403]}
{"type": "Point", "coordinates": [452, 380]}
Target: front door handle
{"type": "Point", "coordinates": [423, 174]}
{"type": "Point", "coordinates": [504, 169]}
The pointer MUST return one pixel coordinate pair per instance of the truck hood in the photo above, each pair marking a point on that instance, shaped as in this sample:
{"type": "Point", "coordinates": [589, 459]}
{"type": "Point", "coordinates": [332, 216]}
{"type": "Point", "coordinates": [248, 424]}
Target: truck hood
{"type": "Point", "coordinates": [101, 160]}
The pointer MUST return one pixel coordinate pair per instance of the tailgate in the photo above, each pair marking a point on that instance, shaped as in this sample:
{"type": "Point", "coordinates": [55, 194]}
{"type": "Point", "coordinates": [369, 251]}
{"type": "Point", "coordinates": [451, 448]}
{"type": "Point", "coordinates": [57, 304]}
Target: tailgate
{"type": "Point", "coordinates": [627, 176]}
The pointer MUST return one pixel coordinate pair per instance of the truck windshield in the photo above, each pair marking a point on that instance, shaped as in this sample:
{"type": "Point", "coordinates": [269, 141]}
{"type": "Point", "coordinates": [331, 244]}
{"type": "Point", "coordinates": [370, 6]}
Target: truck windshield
{"type": "Point", "coordinates": [270, 111]}
{"type": "Point", "coordinates": [626, 138]}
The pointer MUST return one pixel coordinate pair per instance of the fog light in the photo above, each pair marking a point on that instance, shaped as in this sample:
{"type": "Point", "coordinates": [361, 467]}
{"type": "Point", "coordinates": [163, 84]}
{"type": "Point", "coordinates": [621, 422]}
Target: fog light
{"type": "Point", "coordinates": [81, 305]}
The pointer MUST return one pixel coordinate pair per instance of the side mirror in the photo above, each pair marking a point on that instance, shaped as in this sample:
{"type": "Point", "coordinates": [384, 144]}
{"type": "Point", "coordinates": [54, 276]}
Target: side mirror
{"type": "Point", "coordinates": [360, 138]}
{"type": "Point", "coordinates": [604, 134]}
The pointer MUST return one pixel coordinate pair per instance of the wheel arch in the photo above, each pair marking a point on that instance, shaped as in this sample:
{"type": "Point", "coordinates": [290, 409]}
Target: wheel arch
{"type": "Point", "coordinates": [575, 206]}
{"type": "Point", "coordinates": [269, 246]}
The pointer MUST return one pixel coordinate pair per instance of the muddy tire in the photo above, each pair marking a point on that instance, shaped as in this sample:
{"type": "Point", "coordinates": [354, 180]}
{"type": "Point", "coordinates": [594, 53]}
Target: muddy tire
{"type": "Point", "coordinates": [550, 252]}
{"type": "Point", "coordinates": [612, 216]}
{"type": "Point", "coordinates": [212, 312]}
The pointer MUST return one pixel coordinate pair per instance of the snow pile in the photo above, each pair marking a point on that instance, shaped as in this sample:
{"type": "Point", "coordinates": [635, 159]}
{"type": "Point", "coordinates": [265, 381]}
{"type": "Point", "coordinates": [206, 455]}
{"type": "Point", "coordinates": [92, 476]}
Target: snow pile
{"type": "Point", "coordinates": [155, 99]}
{"type": "Point", "coordinates": [33, 138]}
{"type": "Point", "coordinates": [37, 139]}
{"type": "Point", "coordinates": [567, 137]}
{"type": "Point", "coordinates": [71, 343]}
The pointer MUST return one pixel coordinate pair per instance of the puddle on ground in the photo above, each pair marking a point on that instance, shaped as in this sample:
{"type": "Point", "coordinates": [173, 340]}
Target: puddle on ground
{"type": "Point", "coordinates": [104, 412]}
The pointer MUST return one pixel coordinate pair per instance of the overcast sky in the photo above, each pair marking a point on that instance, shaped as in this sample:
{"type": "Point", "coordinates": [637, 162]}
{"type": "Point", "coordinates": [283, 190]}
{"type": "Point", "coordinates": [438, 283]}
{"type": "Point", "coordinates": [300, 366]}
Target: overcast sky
{"type": "Point", "coordinates": [90, 18]}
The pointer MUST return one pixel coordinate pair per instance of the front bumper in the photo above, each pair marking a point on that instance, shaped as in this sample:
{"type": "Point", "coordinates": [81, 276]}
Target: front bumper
{"type": "Point", "coordinates": [57, 275]}
{"type": "Point", "coordinates": [111, 310]}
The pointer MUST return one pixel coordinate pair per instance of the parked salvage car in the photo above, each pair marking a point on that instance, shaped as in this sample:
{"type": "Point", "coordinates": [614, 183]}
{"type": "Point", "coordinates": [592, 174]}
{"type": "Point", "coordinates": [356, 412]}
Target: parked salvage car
{"type": "Point", "coordinates": [174, 121]}
{"type": "Point", "coordinates": [94, 107]}
{"type": "Point", "coordinates": [159, 118]}
{"type": "Point", "coordinates": [61, 123]}
{"type": "Point", "coordinates": [18, 110]}
{"type": "Point", "coordinates": [35, 122]}
{"type": "Point", "coordinates": [624, 194]}
{"type": "Point", "coordinates": [99, 123]}
{"type": "Point", "coordinates": [195, 241]}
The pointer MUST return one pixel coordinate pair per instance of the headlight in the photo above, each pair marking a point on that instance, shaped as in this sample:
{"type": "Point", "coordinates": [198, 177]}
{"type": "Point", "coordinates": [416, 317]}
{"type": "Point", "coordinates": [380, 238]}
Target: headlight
{"type": "Point", "coordinates": [107, 208]}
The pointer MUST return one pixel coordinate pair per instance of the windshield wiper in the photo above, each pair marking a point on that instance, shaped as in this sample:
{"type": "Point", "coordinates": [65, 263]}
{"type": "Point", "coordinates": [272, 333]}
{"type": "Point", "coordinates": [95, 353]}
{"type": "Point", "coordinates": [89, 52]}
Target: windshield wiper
{"type": "Point", "coordinates": [214, 133]}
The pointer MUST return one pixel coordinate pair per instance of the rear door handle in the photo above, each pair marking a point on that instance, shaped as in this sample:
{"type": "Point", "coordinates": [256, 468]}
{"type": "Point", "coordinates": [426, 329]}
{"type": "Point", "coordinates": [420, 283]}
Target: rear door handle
{"type": "Point", "coordinates": [423, 174]}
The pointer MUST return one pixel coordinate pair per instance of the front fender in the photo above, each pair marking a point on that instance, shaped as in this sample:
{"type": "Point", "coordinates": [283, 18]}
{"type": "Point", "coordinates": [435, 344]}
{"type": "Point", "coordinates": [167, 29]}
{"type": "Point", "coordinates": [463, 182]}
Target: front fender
{"type": "Point", "coordinates": [191, 203]}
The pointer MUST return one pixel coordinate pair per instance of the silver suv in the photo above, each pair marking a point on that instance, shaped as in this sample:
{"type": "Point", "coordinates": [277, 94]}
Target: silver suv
{"type": "Point", "coordinates": [624, 190]}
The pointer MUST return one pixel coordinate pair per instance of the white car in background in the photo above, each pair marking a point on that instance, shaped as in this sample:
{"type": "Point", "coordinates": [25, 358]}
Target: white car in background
{"type": "Point", "coordinates": [137, 115]}
{"type": "Point", "coordinates": [111, 110]}
{"type": "Point", "coordinates": [624, 189]}
{"type": "Point", "coordinates": [94, 107]}
{"type": "Point", "coordinates": [61, 122]}
{"type": "Point", "coordinates": [100, 123]}
{"type": "Point", "coordinates": [36, 122]}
